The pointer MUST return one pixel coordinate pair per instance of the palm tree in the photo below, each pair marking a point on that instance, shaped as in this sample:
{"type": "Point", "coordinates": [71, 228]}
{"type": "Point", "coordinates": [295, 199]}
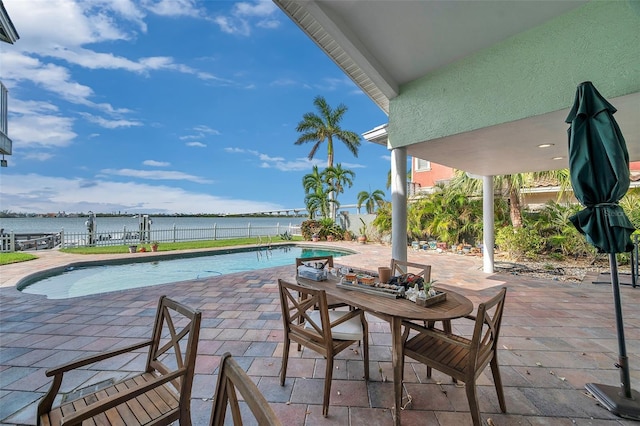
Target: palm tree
{"type": "Point", "coordinates": [510, 186]}
{"type": "Point", "coordinates": [325, 126]}
{"type": "Point", "coordinates": [337, 178]}
{"type": "Point", "coordinates": [317, 201]}
{"type": "Point", "coordinates": [314, 181]}
{"type": "Point", "coordinates": [370, 199]}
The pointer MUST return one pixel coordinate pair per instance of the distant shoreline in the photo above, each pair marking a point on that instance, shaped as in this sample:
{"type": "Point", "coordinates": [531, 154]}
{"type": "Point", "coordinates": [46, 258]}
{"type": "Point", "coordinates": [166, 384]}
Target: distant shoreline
{"type": "Point", "coordinates": [203, 215]}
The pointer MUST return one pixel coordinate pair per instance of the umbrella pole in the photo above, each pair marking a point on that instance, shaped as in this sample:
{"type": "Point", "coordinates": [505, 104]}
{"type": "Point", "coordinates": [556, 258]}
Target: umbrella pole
{"type": "Point", "coordinates": [623, 402]}
{"type": "Point", "coordinates": [623, 360]}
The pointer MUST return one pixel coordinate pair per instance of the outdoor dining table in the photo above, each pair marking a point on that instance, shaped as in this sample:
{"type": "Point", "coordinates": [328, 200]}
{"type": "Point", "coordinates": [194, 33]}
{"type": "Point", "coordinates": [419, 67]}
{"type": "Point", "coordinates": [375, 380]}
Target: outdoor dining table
{"type": "Point", "coordinates": [394, 311]}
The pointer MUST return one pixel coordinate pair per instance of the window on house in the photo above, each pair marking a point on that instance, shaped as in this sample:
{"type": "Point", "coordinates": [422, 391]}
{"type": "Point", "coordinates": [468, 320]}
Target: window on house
{"type": "Point", "coordinates": [422, 165]}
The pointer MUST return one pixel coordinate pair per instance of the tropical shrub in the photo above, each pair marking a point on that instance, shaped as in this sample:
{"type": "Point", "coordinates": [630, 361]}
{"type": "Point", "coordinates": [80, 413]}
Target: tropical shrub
{"type": "Point", "coordinates": [382, 222]}
{"type": "Point", "coordinates": [329, 227]}
{"type": "Point", "coordinates": [309, 228]}
{"type": "Point", "coordinates": [520, 242]}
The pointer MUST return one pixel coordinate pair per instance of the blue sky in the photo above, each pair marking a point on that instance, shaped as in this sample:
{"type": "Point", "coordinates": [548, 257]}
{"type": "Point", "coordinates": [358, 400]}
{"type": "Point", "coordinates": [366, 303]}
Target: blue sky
{"type": "Point", "coordinates": [165, 106]}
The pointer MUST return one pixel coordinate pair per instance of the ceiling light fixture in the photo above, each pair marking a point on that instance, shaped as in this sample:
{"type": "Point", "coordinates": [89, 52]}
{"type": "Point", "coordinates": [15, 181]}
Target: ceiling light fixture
{"type": "Point", "coordinates": [545, 145]}
{"type": "Point", "coordinates": [557, 158]}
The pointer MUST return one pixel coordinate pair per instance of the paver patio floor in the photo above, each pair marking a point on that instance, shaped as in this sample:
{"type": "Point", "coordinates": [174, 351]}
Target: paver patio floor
{"type": "Point", "coordinates": [555, 338]}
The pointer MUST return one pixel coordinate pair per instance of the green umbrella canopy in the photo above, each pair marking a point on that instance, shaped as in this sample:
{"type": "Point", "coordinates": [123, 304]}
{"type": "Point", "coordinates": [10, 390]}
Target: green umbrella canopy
{"type": "Point", "coordinates": [599, 169]}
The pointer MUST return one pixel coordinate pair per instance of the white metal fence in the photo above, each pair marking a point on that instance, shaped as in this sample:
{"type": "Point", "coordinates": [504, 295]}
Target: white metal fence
{"type": "Point", "coordinates": [263, 234]}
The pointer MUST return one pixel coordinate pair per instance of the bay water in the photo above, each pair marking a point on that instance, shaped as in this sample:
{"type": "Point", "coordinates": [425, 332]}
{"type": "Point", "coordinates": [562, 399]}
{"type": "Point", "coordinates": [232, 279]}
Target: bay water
{"type": "Point", "coordinates": [23, 225]}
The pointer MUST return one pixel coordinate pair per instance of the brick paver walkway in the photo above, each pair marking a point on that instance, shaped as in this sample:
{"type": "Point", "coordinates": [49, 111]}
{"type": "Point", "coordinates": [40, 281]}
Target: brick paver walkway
{"type": "Point", "coordinates": [555, 338]}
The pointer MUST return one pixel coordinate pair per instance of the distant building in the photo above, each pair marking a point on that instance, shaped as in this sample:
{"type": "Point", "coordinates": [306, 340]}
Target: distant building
{"type": "Point", "coordinates": [8, 34]}
{"type": "Point", "coordinates": [425, 175]}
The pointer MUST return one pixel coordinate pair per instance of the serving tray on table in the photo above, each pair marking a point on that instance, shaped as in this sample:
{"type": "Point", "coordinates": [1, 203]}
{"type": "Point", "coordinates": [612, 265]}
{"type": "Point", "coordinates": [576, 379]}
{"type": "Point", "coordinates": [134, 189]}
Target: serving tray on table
{"type": "Point", "coordinates": [390, 292]}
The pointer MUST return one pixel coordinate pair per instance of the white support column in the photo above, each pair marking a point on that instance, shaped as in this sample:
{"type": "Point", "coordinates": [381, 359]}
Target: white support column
{"type": "Point", "coordinates": [488, 237]}
{"type": "Point", "coordinates": [399, 203]}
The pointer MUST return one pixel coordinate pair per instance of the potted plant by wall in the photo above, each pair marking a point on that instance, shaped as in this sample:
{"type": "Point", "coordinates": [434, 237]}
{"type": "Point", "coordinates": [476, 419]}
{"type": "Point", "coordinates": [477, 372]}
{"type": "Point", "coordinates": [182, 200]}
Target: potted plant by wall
{"type": "Point", "coordinates": [362, 238]}
{"type": "Point", "coordinates": [133, 248]}
{"type": "Point", "coordinates": [348, 235]}
{"type": "Point", "coordinates": [154, 246]}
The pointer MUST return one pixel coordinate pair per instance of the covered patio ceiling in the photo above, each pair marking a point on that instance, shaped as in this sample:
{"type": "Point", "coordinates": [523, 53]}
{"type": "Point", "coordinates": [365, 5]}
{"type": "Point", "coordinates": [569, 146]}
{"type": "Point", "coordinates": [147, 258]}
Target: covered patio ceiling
{"type": "Point", "coordinates": [381, 45]}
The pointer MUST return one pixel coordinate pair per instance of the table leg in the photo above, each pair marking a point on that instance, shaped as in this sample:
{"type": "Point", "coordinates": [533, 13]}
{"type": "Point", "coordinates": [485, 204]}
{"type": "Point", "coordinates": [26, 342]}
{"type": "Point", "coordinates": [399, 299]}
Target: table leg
{"type": "Point", "coordinates": [396, 360]}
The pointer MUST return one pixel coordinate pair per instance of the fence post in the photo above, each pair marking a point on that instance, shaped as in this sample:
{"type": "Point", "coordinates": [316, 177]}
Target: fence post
{"type": "Point", "coordinates": [62, 238]}
{"type": "Point", "coordinates": [174, 232]}
{"type": "Point", "coordinates": [278, 228]}
{"type": "Point", "coordinates": [249, 230]}
{"type": "Point", "coordinates": [12, 242]}
{"type": "Point", "coordinates": [215, 231]}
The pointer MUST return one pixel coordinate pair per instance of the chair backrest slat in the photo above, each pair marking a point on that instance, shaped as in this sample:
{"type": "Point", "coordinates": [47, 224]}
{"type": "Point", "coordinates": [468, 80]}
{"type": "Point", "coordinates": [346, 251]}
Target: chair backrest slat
{"type": "Point", "coordinates": [487, 325]}
{"type": "Point", "coordinates": [327, 260]}
{"type": "Point", "coordinates": [297, 302]}
{"type": "Point", "coordinates": [399, 267]}
{"type": "Point", "coordinates": [232, 379]}
{"type": "Point", "coordinates": [175, 322]}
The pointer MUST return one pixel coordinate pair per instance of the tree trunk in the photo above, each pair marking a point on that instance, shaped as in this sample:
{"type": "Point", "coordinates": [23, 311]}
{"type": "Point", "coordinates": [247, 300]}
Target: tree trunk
{"type": "Point", "coordinates": [515, 209]}
{"type": "Point", "coordinates": [332, 194]}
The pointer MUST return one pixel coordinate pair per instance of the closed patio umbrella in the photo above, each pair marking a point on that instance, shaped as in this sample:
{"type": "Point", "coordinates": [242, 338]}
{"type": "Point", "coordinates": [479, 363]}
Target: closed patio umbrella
{"type": "Point", "coordinates": [599, 169]}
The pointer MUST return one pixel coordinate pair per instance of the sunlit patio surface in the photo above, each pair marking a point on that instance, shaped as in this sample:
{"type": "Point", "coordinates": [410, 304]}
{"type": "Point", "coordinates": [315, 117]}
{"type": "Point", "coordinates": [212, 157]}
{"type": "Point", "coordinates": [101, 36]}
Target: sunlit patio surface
{"type": "Point", "coordinates": [555, 338]}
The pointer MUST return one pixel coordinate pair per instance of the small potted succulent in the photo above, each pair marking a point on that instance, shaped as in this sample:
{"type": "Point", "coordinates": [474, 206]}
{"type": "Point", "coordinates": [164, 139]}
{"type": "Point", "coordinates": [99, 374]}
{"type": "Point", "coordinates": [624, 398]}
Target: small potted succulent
{"type": "Point", "coordinates": [154, 246]}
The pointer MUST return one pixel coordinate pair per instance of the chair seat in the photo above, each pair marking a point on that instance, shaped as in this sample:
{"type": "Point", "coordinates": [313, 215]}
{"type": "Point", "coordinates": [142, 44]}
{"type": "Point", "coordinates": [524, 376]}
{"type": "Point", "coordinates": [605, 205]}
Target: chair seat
{"type": "Point", "coordinates": [432, 347]}
{"type": "Point", "coordinates": [147, 407]}
{"type": "Point", "coordinates": [348, 330]}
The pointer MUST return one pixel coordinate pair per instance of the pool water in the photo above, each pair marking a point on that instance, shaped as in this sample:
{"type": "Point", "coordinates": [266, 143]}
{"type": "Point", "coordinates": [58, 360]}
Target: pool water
{"type": "Point", "coordinates": [88, 280]}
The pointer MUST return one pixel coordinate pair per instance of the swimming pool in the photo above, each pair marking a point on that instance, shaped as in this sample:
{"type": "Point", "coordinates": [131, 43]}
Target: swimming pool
{"type": "Point", "coordinates": [107, 277]}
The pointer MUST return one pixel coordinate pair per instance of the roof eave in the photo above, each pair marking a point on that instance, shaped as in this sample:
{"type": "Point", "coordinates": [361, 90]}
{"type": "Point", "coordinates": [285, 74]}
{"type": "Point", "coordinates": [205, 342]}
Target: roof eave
{"type": "Point", "coordinates": [343, 49]}
{"type": "Point", "coordinates": [8, 32]}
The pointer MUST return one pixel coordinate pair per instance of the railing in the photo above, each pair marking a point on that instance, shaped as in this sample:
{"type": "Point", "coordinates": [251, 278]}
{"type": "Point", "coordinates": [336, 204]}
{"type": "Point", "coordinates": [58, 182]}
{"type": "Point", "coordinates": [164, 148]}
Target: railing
{"type": "Point", "coordinates": [32, 241]}
{"type": "Point", "coordinates": [262, 234]}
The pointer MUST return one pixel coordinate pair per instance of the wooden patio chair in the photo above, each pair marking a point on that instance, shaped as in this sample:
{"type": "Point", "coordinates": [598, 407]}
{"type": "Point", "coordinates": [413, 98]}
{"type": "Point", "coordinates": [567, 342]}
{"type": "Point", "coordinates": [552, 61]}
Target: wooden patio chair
{"type": "Point", "coordinates": [158, 396]}
{"type": "Point", "coordinates": [325, 332]}
{"type": "Point", "coordinates": [400, 267]}
{"type": "Point", "coordinates": [233, 380]}
{"type": "Point", "coordinates": [460, 357]}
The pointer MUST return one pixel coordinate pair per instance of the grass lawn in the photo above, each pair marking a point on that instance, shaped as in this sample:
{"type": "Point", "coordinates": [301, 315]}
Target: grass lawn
{"type": "Point", "coordinates": [6, 258]}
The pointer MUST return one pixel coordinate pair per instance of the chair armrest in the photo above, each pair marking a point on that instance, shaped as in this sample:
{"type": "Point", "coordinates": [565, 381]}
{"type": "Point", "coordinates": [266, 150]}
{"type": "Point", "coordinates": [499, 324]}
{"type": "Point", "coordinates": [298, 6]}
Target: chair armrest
{"type": "Point", "coordinates": [94, 358]}
{"type": "Point", "coordinates": [57, 372]}
{"type": "Point", "coordinates": [87, 412]}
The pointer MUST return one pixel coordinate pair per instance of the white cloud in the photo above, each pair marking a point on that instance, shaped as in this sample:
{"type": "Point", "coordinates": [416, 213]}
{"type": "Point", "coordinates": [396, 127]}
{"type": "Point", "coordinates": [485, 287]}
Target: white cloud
{"type": "Point", "coordinates": [201, 131]}
{"type": "Point", "coordinates": [37, 125]}
{"type": "Point", "coordinates": [155, 175]}
{"type": "Point", "coordinates": [38, 156]}
{"type": "Point", "coordinates": [243, 13]}
{"type": "Point", "coordinates": [261, 8]}
{"type": "Point", "coordinates": [196, 144]}
{"type": "Point", "coordinates": [172, 7]}
{"type": "Point", "coordinates": [202, 128]}
{"type": "Point", "coordinates": [43, 194]}
{"type": "Point", "coordinates": [279, 163]}
{"type": "Point", "coordinates": [154, 163]}
{"type": "Point", "coordinates": [110, 124]}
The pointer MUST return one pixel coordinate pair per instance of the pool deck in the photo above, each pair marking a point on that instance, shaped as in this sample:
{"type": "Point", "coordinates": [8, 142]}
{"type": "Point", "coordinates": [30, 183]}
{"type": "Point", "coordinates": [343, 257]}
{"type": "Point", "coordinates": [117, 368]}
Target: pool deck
{"type": "Point", "coordinates": [555, 338]}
